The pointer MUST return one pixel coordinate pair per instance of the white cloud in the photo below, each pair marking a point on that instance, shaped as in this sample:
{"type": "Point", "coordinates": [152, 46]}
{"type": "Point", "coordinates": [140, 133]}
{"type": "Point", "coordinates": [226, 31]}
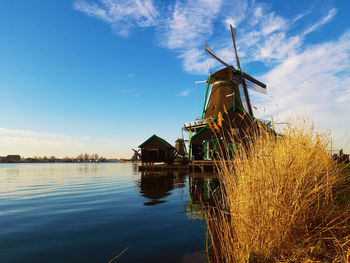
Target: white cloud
{"type": "Point", "coordinates": [277, 47]}
{"type": "Point", "coordinates": [300, 16]}
{"type": "Point", "coordinates": [331, 13]}
{"type": "Point", "coordinates": [189, 23]}
{"type": "Point", "coordinates": [266, 38]}
{"type": "Point", "coordinates": [128, 90]}
{"type": "Point", "coordinates": [235, 12]}
{"type": "Point", "coordinates": [32, 143]}
{"type": "Point", "coordinates": [263, 35]}
{"type": "Point", "coordinates": [195, 61]}
{"type": "Point", "coordinates": [186, 93]}
{"type": "Point", "coordinates": [29, 143]}
{"type": "Point", "coordinates": [122, 15]}
{"type": "Point", "coordinates": [315, 81]}
{"type": "Point", "coordinates": [32, 134]}
{"type": "Point", "coordinates": [305, 77]}
{"type": "Point", "coordinates": [187, 27]}
{"type": "Point", "coordinates": [272, 23]}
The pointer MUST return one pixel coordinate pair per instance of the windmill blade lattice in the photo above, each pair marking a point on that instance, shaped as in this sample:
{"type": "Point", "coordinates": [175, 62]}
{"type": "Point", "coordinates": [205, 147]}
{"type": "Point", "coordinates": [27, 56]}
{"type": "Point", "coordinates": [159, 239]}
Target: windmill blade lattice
{"type": "Point", "coordinates": [252, 83]}
{"type": "Point", "coordinates": [255, 87]}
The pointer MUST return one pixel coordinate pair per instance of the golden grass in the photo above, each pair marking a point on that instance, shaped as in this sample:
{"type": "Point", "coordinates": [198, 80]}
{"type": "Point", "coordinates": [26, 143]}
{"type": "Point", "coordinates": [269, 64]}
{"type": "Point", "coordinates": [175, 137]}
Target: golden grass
{"type": "Point", "coordinates": [279, 202]}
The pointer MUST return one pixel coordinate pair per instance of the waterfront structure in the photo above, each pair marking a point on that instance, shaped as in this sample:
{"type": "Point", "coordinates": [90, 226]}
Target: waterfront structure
{"type": "Point", "coordinates": [156, 149]}
{"type": "Point", "coordinates": [14, 158]}
{"type": "Point", "coordinates": [227, 115]}
{"type": "Point", "coordinates": [342, 157]}
{"type": "Point", "coordinates": [227, 112]}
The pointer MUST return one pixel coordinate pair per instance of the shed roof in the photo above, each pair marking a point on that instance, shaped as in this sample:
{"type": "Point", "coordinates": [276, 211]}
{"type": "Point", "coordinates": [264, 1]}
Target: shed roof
{"type": "Point", "coordinates": [157, 138]}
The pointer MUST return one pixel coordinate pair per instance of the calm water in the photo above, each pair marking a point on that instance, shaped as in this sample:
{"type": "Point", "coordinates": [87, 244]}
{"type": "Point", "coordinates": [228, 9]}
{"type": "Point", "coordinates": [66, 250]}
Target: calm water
{"type": "Point", "coordinates": [91, 212]}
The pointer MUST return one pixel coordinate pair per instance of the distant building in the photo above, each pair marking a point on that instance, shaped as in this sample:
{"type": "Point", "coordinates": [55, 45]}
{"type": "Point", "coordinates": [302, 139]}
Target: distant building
{"type": "Point", "coordinates": [13, 158]}
{"type": "Point", "coordinates": [343, 158]}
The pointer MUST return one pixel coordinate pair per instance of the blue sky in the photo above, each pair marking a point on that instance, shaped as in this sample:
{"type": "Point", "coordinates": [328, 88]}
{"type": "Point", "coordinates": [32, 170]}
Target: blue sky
{"type": "Point", "coordinates": [101, 76]}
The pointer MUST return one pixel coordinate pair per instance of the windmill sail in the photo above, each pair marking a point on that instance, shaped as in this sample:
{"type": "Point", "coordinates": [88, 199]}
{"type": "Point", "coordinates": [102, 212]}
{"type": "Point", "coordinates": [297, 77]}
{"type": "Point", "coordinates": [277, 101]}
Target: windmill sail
{"type": "Point", "coordinates": [229, 83]}
{"type": "Point", "coordinates": [208, 50]}
{"type": "Point", "coordinates": [243, 98]}
{"type": "Point", "coordinates": [255, 82]}
{"type": "Point", "coordinates": [252, 83]}
{"type": "Point", "coordinates": [233, 32]}
{"type": "Point", "coordinates": [227, 111]}
{"type": "Point", "coordinates": [246, 99]}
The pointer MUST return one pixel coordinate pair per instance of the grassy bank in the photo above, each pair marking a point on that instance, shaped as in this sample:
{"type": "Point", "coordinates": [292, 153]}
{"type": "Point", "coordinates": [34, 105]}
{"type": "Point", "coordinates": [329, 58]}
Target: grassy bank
{"type": "Point", "coordinates": [283, 200]}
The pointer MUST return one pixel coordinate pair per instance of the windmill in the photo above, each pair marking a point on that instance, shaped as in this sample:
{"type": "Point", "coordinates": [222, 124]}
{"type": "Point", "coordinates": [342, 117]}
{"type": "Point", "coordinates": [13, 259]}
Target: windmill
{"type": "Point", "coordinates": [229, 82]}
{"type": "Point", "coordinates": [137, 156]}
{"type": "Point", "coordinates": [229, 102]}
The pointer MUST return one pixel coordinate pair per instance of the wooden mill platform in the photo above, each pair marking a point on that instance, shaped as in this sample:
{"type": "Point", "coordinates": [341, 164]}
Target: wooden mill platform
{"type": "Point", "coordinates": [202, 166]}
{"type": "Point", "coordinates": [162, 167]}
{"type": "Point", "coordinates": [193, 166]}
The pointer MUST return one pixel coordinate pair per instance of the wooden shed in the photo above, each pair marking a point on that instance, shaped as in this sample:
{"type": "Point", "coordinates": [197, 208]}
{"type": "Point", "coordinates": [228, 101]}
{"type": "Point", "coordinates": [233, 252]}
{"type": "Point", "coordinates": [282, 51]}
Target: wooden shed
{"type": "Point", "coordinates": [235, 129]}
{"type": "Point", "coordinates": [156, 149]}
{"type": "Point", "coordinates": [205, 144]}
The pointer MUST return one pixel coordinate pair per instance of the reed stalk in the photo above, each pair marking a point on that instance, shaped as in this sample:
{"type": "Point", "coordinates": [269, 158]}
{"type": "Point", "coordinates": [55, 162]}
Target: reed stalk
{"type": "Point", "coordinates": [280, 201]}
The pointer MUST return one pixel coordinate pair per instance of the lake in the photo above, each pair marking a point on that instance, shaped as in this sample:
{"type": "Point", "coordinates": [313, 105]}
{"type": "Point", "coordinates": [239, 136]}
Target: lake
{"type": "Point", "coordinates": [92, 212]}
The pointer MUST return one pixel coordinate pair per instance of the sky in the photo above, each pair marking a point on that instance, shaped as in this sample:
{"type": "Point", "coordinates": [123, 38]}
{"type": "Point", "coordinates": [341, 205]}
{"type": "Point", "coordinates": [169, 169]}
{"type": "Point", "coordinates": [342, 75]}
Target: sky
{"type": "Point", "coordinates": [101, 76]}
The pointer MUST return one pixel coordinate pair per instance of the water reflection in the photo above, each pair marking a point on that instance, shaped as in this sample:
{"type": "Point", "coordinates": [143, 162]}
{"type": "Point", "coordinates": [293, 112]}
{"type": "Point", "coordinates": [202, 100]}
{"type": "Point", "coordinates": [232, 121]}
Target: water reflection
{"type": "Point", "coordinates": [157, 186]}
{"type": "Point", "coordinates": [50, 210]}
{"type": "Point", "coordinates": [203, 188]}
{"type": "Point", "coordinates": [14, 171]}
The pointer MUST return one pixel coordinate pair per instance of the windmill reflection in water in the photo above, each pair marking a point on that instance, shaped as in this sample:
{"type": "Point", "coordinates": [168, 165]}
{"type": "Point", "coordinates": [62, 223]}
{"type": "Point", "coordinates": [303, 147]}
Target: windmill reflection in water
{"type": "Point", "coordinates": [202, 189]}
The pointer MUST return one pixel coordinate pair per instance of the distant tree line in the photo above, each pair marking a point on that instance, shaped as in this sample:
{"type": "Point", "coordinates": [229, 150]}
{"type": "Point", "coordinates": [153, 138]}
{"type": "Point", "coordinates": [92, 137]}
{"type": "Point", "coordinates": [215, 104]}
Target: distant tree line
{"type": "Point", "coordinates": [81, 158]}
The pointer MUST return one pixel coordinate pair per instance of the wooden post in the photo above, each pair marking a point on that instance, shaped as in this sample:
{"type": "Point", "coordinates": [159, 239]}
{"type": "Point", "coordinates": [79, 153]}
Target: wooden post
{"type": "Point", "coordinates": [208, 155]}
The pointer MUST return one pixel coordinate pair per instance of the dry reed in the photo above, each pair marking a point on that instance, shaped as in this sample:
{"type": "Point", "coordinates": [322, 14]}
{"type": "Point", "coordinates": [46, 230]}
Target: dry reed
{"type": "Point", "coordinates": [279, 201]}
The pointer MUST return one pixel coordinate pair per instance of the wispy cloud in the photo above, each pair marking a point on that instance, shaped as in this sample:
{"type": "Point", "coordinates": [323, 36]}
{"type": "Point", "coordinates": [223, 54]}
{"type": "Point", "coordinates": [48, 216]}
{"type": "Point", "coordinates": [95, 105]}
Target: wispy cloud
{"type": "Point", "coordinates": [189, 23]}
{"type": "Point", "coordinates": [331, 13]}
{"type": "Point", "coordinates": [32, 143]}
{"type": "Point", "coordinates": [300, 76]}
{"type": "Point", "coordinates": [122, 15]}
{"type": "Point", "coordinates": [128, 91]}
{"type": "Point", "coordinates": [300, 16]}
{"type": "Point", "coordinates": [132, 91]}
{"type": "Point", "coordinates": [186, 25]}
{"type": "Point", "coordinates": [32, 134]}
{"type": "Point", "coordinates": [186, 93]}
{"type": "Point", "coordinates": [315, 81]}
